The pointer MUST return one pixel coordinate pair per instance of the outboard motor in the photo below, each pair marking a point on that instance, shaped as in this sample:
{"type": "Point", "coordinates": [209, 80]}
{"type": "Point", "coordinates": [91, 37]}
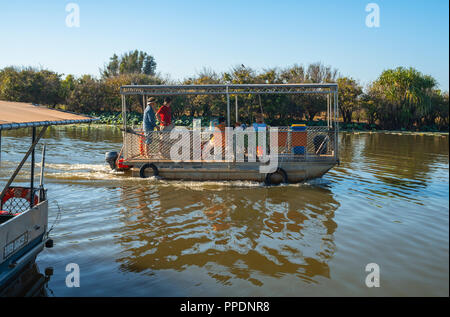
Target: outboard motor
{"type": "Point", "coordinates": [110, 158]}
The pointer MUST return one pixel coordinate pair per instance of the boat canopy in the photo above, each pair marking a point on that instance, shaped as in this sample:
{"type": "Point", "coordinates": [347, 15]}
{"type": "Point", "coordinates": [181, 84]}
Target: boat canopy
{"type": "Point", "coordinates": [15, 115]}
{"type": "Point", "coordinates": [233, 89]}
{"type": "Point", "coordinates": [328, 89]}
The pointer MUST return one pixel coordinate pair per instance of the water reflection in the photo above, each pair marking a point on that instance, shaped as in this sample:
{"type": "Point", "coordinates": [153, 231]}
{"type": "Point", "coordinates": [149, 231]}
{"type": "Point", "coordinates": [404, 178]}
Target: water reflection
{"type": "Point", "coordinates": [389, 165]}
{"type": "Point", "coordinates": [68, 144]}
{"type": "Point", "coordinates": [28, 283]}
{"type": "Point", "coordinates": [407, 162]}
{"type": "Point", "coordinates": [233, 233]}
{"type": "Point", "coordinates": [84, 132]}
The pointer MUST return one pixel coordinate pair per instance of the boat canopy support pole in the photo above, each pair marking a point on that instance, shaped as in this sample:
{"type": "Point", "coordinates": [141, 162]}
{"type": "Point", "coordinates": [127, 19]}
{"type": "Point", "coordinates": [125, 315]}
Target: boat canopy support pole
{"type": "Point", "coordinates": [328, 110]}
{"type": "Point", "coordinates": [228, 109]}
{"type": "Point", "coordinates": [33, 152]}
{"type": "Point", "coordinates": [31, 149]}
{"type": "Point", "coordinates": [260, 105]}
{"type": "Point", "coordinates": [124, 121]}
{"type": "Point", "coordinates": [331, 102]}
{"type": "Point", "coordinates": [336, 127]}
{"type": "Point", "coordinates": [41, 178]}
{"type": "Point", "coordinates": [237, 115]}
{"type": "Point", "coordinates": [143, 103]}
{"type": "Point", "coordinates": [124, 113]}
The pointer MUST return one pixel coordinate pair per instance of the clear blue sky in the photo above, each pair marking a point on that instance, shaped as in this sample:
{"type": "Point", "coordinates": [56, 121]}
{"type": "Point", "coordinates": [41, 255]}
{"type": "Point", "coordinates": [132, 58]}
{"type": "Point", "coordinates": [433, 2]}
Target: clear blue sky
{"type": "Point", "coordinates": [184, 36]}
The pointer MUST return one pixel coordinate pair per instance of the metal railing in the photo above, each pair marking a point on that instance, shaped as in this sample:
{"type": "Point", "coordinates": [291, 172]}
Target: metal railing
{"type": "Point", "coordinates": [157, 145]}
{"type": "Point", "coordinates": [17, 199]}
{"type": "Point", "coordinates": [248, 145]}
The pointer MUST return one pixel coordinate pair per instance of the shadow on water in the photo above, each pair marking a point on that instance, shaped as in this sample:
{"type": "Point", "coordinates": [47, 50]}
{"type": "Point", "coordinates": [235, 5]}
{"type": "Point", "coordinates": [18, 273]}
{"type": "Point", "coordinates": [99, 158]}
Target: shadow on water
{"type": "Point", "coordinates": [29, 283]}
{"type": "Point", "coordinates": [238, 233]}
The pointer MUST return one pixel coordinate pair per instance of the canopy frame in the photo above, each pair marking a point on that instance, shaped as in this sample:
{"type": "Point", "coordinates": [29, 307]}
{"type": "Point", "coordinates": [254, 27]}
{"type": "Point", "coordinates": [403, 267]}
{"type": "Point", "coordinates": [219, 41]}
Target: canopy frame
{"type": "Point", "coordinates": [329, 89]}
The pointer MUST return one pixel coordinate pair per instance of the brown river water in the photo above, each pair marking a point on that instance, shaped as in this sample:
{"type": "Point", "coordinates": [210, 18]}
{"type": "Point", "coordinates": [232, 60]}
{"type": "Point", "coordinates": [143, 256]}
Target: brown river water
{"type": "Point", "coordinates": [386, 203]}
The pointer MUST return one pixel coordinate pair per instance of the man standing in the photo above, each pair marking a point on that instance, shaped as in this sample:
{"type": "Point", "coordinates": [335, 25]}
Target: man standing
{"type": "Point", "coordinates": [165, 126]}
{"type": "Point", "coordinates": [149, 121]}
{"type": "Point", "coordinates": [165, 115]}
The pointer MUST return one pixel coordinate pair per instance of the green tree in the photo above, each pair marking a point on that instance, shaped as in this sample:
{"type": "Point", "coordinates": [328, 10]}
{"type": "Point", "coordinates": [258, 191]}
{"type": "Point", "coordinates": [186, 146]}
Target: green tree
{"type": "Point", "coordinates": [30, 85]}
{"type": "Point", "coordinates": [316, 103]}
{"type": "Point", "coordinates": [11, 85]}
{"type": "Point", "coordinates": [295, 74]}
{"type": "Point", "coordinates": [112, 69]}
{"type": "Point", "coordinates": [440, 111]}
{"type": "Point", "coordinates": [133, 62]}
{"type": "Point", "coordinates": [47, 88]}
{"type": "Point", "coordinates": [66, 87]}
{"type": "Point", "coordinates": [88, 94]}
{"type": "Point", "coordinates": [204, 105]}
{"type": "Point", "coordinates": [112, 89]}
{"type": "Point", "coordinates": [248, 103]}
{"type": "Point", "coordinates": [370, 106]}
{"type": "Point", "coordinates": [349, 93]}
{"type": "Point", "coordinates": [403, 96]}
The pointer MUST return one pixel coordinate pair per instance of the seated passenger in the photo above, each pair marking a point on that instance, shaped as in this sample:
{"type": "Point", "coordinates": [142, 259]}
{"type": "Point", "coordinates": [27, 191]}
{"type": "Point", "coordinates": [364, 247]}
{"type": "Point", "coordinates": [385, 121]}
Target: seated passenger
{"type": "Point", "coordinates": [240, 125]}
{"type": "Point", "coordinates": [218, 138]}
{"type": "Point", "coordinates": [219, 130]}
{"type": "Point", "coordinates": [259, 125]}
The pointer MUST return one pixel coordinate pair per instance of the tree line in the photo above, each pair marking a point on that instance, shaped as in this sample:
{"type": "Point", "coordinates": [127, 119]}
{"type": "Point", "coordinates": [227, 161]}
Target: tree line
{"type": "Point", "coordinates": [400, 98]}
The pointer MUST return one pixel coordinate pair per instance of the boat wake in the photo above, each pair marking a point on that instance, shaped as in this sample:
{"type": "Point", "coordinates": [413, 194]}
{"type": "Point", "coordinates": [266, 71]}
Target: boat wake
{"type": "Point", "coordinates": [80, 173]}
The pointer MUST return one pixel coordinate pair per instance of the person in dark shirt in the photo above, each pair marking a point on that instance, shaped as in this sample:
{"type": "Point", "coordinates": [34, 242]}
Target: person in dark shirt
{"type": "Point", "coordinates": [149, 120]}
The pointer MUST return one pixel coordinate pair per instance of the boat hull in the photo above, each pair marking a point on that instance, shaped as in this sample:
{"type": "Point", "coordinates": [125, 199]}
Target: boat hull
{"type": "Point", "coordinates": [295, 171]}
{"type": "Point", "coordinates": [21, 239]}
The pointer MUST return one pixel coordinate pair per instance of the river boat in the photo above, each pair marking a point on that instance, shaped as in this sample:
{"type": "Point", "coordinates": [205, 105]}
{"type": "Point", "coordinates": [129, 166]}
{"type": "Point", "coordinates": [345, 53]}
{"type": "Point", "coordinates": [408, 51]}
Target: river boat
{"type": "Point", "coordinates": [284, 154]}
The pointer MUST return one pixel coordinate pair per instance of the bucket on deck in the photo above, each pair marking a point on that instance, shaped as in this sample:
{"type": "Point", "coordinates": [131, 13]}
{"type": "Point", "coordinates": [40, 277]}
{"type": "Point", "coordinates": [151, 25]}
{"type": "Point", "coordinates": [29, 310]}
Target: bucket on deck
{"type": "Point", "coordinates": [298, 150]}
